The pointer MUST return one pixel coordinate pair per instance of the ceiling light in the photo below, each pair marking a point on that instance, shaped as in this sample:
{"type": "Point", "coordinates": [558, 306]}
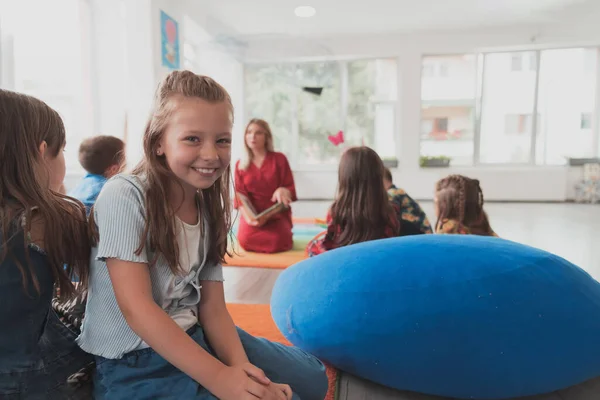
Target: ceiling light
{"type": "Point", "coordinates": [305, 11]}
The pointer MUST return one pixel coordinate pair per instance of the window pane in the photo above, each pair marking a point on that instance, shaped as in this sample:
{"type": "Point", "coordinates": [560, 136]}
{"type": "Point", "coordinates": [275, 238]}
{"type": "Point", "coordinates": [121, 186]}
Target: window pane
{"type": "Point", "coordinates": [443, 70]}
{"type": "Point", "coordinates": [507, 107]}
{"type": "Point", "coordinates": [586, 121]}
{"type": "Point", "coordinates": [318, 115]}
{"type": "Point", "coordinates": [448, 108]}
{"type": "Point", "coordinates": [385, 143]}
{"type": "Point", "coordinates": [269, 90]}
{"type": "Point", "coordinates": [427, 71]}
{"type": "Point", "coordinates": [532, 61]}
{"type": "Point", "coordinates": [566, 104]}
{"type": "Point", "coordinates": [370, 118]}
{"type": "Point", "coordinates": [516, 62]}
{"type": "Point", "coordinates": [305, 103]}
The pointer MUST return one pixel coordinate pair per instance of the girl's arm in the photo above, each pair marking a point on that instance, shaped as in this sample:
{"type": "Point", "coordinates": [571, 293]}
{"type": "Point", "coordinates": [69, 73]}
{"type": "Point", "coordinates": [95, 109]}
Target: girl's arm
{"type": "Point", "coordinates": [222, 335]}
{"type": "Point", "coordinates": [239, 187]}
{"type": "Point", "coordinates": [132, 287]}
{"type": "Point", "coordinates": [120, 216]}
{"type": "Point", "coordinates": [287, 178]}
{"type": "Point", "coordinates": [133, 291]}
{"type": "Point", "coordinates": [218, 325]}
{"type": "Point", "coordinates": [286, 192]}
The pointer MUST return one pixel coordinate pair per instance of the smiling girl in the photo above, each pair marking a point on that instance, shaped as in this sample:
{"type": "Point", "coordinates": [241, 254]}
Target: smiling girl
{"type": "Point", "coordinates": [156, 317]}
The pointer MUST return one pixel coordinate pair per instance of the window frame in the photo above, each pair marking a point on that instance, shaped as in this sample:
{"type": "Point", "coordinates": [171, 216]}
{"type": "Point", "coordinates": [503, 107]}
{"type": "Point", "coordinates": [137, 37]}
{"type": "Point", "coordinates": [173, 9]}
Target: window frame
{"type": "Point", "coordinates": [516, 56]}
{"type": "Point", "coordinates": [476, 100]}
{"type": "Point", "coordinates": [481, 57]}
{"type": "Point", "coordinates": [344, 91]}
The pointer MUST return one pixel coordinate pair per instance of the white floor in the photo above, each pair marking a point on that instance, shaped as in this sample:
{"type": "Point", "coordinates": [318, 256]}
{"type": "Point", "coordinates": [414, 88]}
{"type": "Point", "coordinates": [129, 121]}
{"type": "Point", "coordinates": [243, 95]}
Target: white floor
{"type": "Point", "coordinates": [568, 230]}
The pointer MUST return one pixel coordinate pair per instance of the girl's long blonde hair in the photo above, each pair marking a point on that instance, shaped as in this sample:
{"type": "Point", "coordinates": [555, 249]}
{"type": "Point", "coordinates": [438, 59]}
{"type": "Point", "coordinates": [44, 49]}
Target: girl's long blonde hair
{"type": "Point", "coordinates": [248, 155]}
{"type": "Point", "coordinates": [214, 201]}
{"type": "Point", "coordinates": [26, 122]}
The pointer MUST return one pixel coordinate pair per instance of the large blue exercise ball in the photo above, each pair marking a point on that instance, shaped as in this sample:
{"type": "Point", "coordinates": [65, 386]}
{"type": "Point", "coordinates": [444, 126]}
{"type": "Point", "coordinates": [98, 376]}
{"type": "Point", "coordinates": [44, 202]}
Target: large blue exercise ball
{"type": "Point", "coordinates": [451, 315]}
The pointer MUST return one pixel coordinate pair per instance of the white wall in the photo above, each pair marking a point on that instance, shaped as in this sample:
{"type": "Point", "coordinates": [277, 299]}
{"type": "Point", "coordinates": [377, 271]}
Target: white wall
{"type": "Point", "coordinates": [108, 59]}
{"type": "Point", "coordinates": [126, 68]}
{"type": "Point", "coordinates": [499, 183]}
{"type": "Point", "coordinates": [123, 71]}
{"type": "Point", "coordinates": [131, 92]}
{"type": "Point", "coordinates": [34, 64]}
{"type": "Point", "coordinates": [211, 59]}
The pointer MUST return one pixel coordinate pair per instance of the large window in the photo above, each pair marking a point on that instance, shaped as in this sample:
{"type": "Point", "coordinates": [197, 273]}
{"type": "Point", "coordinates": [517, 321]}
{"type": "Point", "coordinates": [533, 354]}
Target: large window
{"type": "Point", "coordinates": [305, 103]}
{"type": "Point", "coordinates": [371, 102]}
{"type": "Point", "coordinates": [319, 115]}
{"type": "Point", "coordinates": [527, 107]}
{"type": "Point", "coordinates": [270, 95]}
{"type": "Point", "coordinates": [448, 107]}
{"type": "Point", "coordinates": [507, 108]}
{"type": "Point", "coordinates": [566, 101]}
{"type": "Point", "coordinates": [47, 60]}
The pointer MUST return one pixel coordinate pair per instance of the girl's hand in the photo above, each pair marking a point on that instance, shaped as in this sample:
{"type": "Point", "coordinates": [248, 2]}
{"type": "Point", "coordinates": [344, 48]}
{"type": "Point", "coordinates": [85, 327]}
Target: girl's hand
{"type": "Point", "coordinates": [282, 391]}
{"type": "Point", "coordinates": [247, 219]}
{"type": "Point", "coordinates": [285, 389]}
{"type": "Point", "coordinates": [282, 195]}
{"type": "Point", "coordinates": [255, 373]}
{"type": "Point", "coordinates": [245, 382]}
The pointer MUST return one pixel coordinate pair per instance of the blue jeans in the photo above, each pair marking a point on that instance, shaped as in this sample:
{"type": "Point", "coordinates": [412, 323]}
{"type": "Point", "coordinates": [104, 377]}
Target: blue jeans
{"type": "Point", "coordinates": [143, 374]}
{"type": "Point", "coordinates": [47, 377]}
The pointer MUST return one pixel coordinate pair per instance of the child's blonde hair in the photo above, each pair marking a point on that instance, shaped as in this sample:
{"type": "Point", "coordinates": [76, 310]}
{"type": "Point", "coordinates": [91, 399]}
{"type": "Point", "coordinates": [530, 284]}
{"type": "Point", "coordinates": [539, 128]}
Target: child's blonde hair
{"type": "Point", "coordinates": [248, 155]}
{"type": "Point", "coordinates": [214, 201]}
{"type": "Point", "coordinates": [461, 199]}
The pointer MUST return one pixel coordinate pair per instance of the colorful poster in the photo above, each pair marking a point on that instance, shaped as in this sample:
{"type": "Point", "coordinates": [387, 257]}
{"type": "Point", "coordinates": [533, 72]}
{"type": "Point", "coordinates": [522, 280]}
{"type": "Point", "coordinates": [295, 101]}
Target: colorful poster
{"type": "Point", "coordinates": [169, 40]}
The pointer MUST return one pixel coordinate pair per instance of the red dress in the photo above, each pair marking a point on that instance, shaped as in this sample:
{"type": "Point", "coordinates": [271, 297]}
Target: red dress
{"type": "Point", "coordinates": [259, 184]}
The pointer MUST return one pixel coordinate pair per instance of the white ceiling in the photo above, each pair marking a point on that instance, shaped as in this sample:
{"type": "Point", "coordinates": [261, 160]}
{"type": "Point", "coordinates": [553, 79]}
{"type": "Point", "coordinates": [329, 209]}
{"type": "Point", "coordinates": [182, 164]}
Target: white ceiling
{"type": "Point", "coordinates": [337, 17]}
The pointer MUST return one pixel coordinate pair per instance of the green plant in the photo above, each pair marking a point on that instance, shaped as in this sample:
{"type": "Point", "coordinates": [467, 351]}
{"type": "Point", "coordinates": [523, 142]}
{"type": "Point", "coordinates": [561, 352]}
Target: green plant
{"type": "Point", "coordinates": [424, 160]}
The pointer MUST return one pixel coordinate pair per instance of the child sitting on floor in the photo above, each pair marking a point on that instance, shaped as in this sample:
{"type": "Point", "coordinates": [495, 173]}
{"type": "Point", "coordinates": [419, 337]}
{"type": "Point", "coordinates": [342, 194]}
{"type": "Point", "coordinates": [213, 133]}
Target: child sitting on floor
{"type": "Point", "coordinates": [413, 218]}
{"type": "Point", "coordinates": [459, 206]}
{"type": "Point", "coordinates": [102, 157]}
{"type": "Point", "coordinates": [156, 318]}
{"type": "Point", "coordinates": [41, 231]}
{"type": "Point", "coordinates": [361, 211]}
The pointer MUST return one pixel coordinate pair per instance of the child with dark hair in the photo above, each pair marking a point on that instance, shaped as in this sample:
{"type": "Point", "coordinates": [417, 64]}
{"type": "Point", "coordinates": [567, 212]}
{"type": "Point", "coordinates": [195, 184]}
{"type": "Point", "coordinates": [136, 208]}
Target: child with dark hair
{"type": "Point", "coordinates": [43, 246]}
{"type": "Point", "coordinates": [361, 211]}
{"type": "Point", "coordinates": [411, 215]}
{"type": "Point", "coordinates": [102, 157]}
{"type": "Point", "coordinates": [459, 207]}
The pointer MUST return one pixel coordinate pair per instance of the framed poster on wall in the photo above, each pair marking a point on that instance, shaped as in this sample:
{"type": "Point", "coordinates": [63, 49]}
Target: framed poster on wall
{"type": "Point", "coordinates": [169, 40]}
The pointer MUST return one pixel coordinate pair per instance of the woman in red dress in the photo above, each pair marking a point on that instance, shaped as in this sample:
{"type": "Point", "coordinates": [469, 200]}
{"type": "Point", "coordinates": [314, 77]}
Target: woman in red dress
{"type": "Point", "coordinates": [265, 178]}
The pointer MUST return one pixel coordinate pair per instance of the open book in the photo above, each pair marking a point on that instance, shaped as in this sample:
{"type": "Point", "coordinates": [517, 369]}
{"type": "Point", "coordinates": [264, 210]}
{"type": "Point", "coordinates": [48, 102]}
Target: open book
{"type": "Point", "coordinates": [262, 217]}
